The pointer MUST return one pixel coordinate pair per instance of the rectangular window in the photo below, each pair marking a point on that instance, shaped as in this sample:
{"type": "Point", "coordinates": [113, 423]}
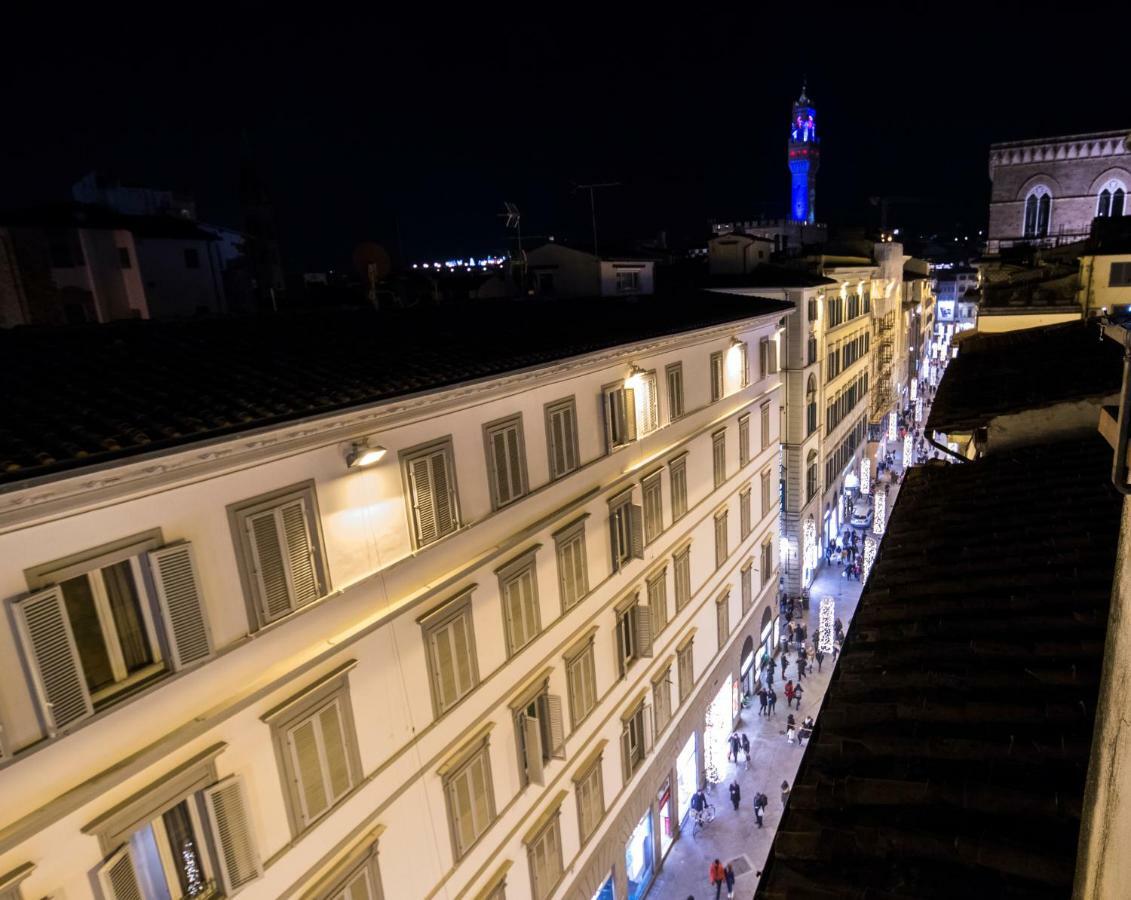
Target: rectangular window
{"type": "Point", "coordinates": [1120, 274]}
{"type": "Point", "coordinates": [813, 306]}
{"type": "Point", "coordinates": [544, 852]}
{"type": "Point", "coordinates": [633, 633]}
{"type": "Point", "coordinates": [661, 700]}
{"type": "Point", "coordinates": [767, 562]}
{"type": "Point", "coordinates": [722, 618]}
{"type": "Point", "coordinates": [764, 357]}
{"type": "Point", "coordinates": [590, 788]}
{"type": "Point", "coordinates": [626, 531]}
{"type": "Point", "coordinates": [633, 740]}
{"type": "Point", "coordinates": [518, 589]}
{"type": "Point", "coordinates": [316, 745]}
{"type": "Point", "coordinates": [686, 663]}
{"type": "Point", "coordinates": [360, 878]}
{"type": "Point", "coordinates": [765, 416]}
{"type": "Point", "coordinates": [581, 678]}
{"type": "Point", "coordinates": [573, 570]}
{"type": "Point", "coordinates": [745, 512]}
{"type": "Point", "coordinates": [628, 282]}
{"type": "Point", "coordinates": [561, 437]}
{"type": "Point", "coordinates": [430, 485]}
{"type": "Point", "coordinates": [812, 357]}
{"type": "Point", "coordinates": [538, 733]}
{"type": "Point", "coordinates": [506, 460]}
{"type": "Point", "coordinates": [647, 404]}
{"type": "Point", "coordinates": [681, 569]}
{"type": "Point", "coordinates": [716, 377]}
{"type": "Point", "coordinates": [657, 586]}
{"type": "Point", "coordinates": [743, 439]}
{"type": "Point", "coordinates": [620, 415]}
{"type": "Point", "coordinates": [677, 472]}
{"type": "Point", "coordinates": [470, 799]}
{"type": "Point", "coordinates": [766, 499]}
{"type": "Point", "coordinates": [653, 507]}
{"type": "Point", "coordinates": [747, 587]}
{"type": "Point", "coordinates": [124, 260]}
{"type": "Point", "coordinates": [192, 258]}
{"type": "Point", "coordinates": [744, 360]}
{"type": "Point", "coordinates": [675, 391]}
{"type": "Point", "coordinates": [450, 641]}
{"type": "Point", "coordinates": [720, 538]}
{"type": "Point", "coordinates": [719, 456]}
{"type": "Point", "coordinates": [280, 549]}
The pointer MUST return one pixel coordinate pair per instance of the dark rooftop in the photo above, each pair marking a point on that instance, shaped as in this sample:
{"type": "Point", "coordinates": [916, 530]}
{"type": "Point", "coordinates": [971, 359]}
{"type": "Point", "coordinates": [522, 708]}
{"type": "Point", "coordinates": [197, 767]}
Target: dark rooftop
{"type": "Point", "coordinates": [82, 215]}
{"type": "Point", "coordinates": [951, 749]}
{"type": "Point", "coordinates": [770, 276]}
{"type": "Point", "coordinates": [86, 394]}
{"type": "Point", "coordinates": [996, 374]}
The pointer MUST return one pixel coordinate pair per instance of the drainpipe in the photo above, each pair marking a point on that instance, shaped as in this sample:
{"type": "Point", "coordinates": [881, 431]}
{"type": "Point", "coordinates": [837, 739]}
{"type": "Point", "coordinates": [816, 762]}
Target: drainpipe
{"type": "Point", "coordinates": [1119, 463]}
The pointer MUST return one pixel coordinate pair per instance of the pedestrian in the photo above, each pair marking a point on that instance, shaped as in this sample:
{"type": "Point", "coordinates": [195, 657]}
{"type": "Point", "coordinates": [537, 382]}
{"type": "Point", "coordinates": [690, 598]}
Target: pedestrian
{"type": "Point", "coordinates": [735, 795]}
{"type": "Point", "coordinates": [836, 650]}
{"type": "Point", "coordinates": [717, 876]}
{"type": "Point", "coordinates": [789, 689]}
{"type": "Point", "coordinates": [772, 700]}
{"type": "Point", "coordinates": [698, 802]}
{"type": "Point", "coordinates": [760, 801]}
{"type": "Point", "coordinates": [770, 677]}
{"type": "Point", "coordinates": [784, 664]}
{"type": "Point", "coordinates": [746, 748]}
{"type": "Point", "coordinates": [798, 690]}
{"type": "Point", "coordinates": [784, 793]}
{"type": "Point", "coordinates": [820, 659]}
{"type": "Point", "coordinates": [801, 665]}
{"type": "Point", "coordinates": [734, 745]}
{"type": "Point", "coordinates": [806, 729]}
{"type": "Point", "coordinates": [728, 873]}
{"type": "Point", "coordinates": [790, 733]}
{"type": "Point", "coordinates": [762, 701]}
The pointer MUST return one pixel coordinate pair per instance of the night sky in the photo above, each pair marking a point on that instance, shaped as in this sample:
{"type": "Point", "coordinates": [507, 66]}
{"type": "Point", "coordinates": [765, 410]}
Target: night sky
{"type": "Point", "coordinates": [412, 130]}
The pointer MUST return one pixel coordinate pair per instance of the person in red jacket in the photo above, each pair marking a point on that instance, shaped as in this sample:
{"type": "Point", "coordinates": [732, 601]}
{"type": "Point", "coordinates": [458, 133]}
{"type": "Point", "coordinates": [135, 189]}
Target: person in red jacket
{"type": "Point", "coordinates": [717, 874]}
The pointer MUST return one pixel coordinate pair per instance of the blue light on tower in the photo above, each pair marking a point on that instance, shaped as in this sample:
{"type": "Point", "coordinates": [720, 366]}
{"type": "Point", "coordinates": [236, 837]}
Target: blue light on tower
{"type": "Point", "coordinates": [804, 160]}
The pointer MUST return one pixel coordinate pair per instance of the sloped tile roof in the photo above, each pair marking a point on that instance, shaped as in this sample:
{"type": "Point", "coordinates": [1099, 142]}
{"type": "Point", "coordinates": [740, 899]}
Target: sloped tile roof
{"type": "Point", "coordinates": [81, 395]}
{"type": "Point", "coordinates": [996, 374]}
{"type": "Point", "coordinates": [952, 746]}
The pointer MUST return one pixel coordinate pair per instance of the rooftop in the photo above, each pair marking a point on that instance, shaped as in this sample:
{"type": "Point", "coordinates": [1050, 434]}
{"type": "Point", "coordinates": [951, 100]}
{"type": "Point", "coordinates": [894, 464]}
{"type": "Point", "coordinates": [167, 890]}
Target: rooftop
{"type": "Point", "coordinates": [771, 276]}
{"type": "Point", "coordinates": [997, 374]}
{"type": "Point", "coordinates": [82, 215]}
{"type": "Point", "coordinates": [952, 747]}
{"type": "Point", "coordinates": [124, 388]}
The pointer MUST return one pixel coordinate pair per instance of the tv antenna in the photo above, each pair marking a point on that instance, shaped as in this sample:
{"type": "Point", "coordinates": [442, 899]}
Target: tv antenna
{"type": "Point", "coordinates": [593, 203]}
{"type": "Point", "coordinates": [512, 218]}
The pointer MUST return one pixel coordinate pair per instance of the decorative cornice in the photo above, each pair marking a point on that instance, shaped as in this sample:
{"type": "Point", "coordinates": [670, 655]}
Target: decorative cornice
{"type": "Point", "coordinates": [58, 495]}
{"type": "Point", "coordinates": [1066, 147]}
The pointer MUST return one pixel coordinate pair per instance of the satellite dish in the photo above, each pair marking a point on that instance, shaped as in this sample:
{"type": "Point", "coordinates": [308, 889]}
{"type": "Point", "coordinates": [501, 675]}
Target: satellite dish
{"type": "Point", "coordinates": [371, 261]}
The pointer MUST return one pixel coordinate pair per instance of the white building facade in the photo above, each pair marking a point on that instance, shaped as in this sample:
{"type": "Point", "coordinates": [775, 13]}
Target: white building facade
{"type": "Point", "coordinates": [482, 666]}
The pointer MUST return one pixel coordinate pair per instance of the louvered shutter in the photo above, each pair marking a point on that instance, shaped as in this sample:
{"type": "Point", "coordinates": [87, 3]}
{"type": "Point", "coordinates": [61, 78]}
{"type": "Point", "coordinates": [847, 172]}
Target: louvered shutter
{"type": "Point", "coordinates": [358, 888]}
{"type": "Point", "coordinates": [557, 728]}
{"type": "Point", "coordinates": [50, 647]}
{"type": "Point", "coordinates": [180, 598]}
{"type": "Point", "coordinates": [643, 624]}
{"type": "Point", "coordinates": [423, 501]}
{"type": "Point", "coordinates": [651, 404]}
{"type": "Point", "coordinates": [307, 761]}
{"type": "Point", "coordinates": [117, 877]}
{"type": "Point", "coordinates": [334, 744]}
{"type": "Point", "coordinates": [270, 568]}
{"type": "Point", "coordinates": [504, 483]}
{"type": "Point", "coordinates": [532, 734]}
{"type": "Point", "coordinates": [636, 530]}
{"type": "Point", "coordinates": [300, 553]}
{"type": "Point", "coordinates": [629, 414]}
{"type": "Point", "coordinates": [609, 401]}
{"type": "Point", "coordinates": [232, 833]}
{"type": "Point", "coordinates": [445, 510]}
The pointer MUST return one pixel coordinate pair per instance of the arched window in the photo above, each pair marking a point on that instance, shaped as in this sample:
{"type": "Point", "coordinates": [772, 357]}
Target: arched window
{"type": "Point", "coordinates": [1111, 198]}
{"type": "Point", "coordinates": [811, 475]}
{"type": "Point", "coordinates": [1038, 211]}
{"type": "Point", "coordinates": [811, 405]}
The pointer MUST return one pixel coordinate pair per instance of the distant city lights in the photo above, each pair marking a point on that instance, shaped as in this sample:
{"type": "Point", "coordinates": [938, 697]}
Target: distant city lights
{"type": "Point", "coordinates": [472, 262]}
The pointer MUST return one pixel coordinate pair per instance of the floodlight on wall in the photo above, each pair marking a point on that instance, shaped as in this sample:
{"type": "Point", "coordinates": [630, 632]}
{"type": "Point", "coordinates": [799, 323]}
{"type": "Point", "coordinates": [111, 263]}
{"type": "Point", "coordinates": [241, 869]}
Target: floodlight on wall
{"type": "Point", "coordinates": [362, 454]}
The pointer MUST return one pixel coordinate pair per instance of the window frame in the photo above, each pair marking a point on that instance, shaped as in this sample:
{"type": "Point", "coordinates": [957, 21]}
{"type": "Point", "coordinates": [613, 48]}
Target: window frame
{"type": "Point", "coordinates": [590, 771]}
{"type": "Point", "coordinates": [626, 530]}
{"type": "Point", "coordinates": [718, 377]}
{"type": "Point", "coordinates": [662, 699]}
{"type": "Point", "coordinates": [406, 457]}
{"type": "Point", "coordinates": [652, 505]}
{"type": "Point", "coordinates": [436, 620]}
{"type": "Point", "coordinates": [746, 582]}
{"type": "Point", "coordinates": [767, 561]}
{"type": "Point", "coordinates": [477, 750]}
{"type": "Point", "coordinates": [656, 591]}
{"type": "Point", "coordinates": [722, 537]}
{"type": "Point", "coordinates": [676, 408]}
{"type": "Point", "coordinates": [571, 534]}
{"type": "Point", "coordinates": [685, 663]}
{"type": "Point", "coordinates": [722, 618]}
{"type": "Point", "coordinates": [577, 657]}
{"type": "Point", "coordinates": [766, 482]}
{"type": "Point", "coordinates": [765, 425]}
{"type": "Point", "coordinates": [524, 565]}
{"type": "Point", "coordinates": [679, 501]}
{"type": "Point", "coordinates": [491, 430]}
{"type": "Point", "coordinates": [556, 408]}
{"type": "Point", "coordinates": [626, 404]}
{"type": "Point", "coordinates": [551, 827]}
{"type": "Point", "coordinates": [745, 511]}
{"type": "Point", "coordinates": [681, 562]}
{"type": "Point", "coordinates": [743, 440]}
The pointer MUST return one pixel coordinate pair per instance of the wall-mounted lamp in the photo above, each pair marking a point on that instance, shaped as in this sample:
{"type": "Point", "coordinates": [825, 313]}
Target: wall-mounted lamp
{"type": "Point", "coordinates": [362, 453]}
{"type": "Point", "coordinates": [736, 342]}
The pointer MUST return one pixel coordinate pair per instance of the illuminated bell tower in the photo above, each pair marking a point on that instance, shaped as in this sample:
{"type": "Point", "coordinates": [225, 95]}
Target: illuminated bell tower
{"type": "Point", "coordinates": [804, 160]}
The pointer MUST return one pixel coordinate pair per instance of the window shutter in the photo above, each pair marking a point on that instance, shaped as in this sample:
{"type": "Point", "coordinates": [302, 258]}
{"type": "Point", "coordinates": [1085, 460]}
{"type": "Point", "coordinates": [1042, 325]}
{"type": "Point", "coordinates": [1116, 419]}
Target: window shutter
{"type": "Point", "coordinates": [625, 755]}
{"type": "Point", "coordinates": [334, 743]}
{"type": "Point", "coordinates": [608, 400]}
{"type": "Point", "coordinates": [50, 647]}
{"type": "Point", "coordinates": [179, 595]}
{"type": "Point", "coordinates": [234, 839]}
{"type": "Point", "coordinates": [636, 529]}
{"type": "Point", "coordinates": [557, 729]}
{"type": "Point", "coordinates": [358, 888]}
{"type": "Point", "coordinates": [300, 553]}
{"type": "Point", "coordinates": [532, 734]}
{"type": "Point", "coordinates": [303, 739]}
{"type": "Point", "coordinates": [423, 502]}
{"type": "Point", "coordinates": [643, 623]}
{"type": "Point", "coordinates": [270, 571]}
{"type": "Point", "coordinates": [629, 401]}
{"type": "Point", "coordinates": [445, 509]}
{"type": "Point", "coordinates": [117, 877]}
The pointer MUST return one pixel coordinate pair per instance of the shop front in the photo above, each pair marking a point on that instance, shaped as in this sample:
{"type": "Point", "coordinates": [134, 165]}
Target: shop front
{"type": "Point", "coordinates": [717, 729]}
{"type": "Point", "coordinates": [748, 672]}
{"type": "Point", "coordinates": [638, 862]}
{"type": "Point", "coordinates": [667, 818]}
{"type": "Point", "coordinates": [686, 779]}
{"type": "Point", "coordinates": [767, 634]}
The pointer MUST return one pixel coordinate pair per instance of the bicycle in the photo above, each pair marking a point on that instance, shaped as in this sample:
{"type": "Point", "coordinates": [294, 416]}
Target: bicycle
{"type": "Point", "coordinates": [703, 818]}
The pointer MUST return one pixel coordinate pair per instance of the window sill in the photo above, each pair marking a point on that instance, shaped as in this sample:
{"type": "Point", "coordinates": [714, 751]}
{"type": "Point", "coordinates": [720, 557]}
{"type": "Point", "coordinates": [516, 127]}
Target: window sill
{"type": "Point", "coordinates": [108, 696]}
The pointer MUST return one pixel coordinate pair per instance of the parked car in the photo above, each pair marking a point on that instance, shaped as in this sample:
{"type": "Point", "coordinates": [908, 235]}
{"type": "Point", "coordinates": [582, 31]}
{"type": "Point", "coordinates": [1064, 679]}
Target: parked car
{"type": "Point", "coordinates": [861, 512]}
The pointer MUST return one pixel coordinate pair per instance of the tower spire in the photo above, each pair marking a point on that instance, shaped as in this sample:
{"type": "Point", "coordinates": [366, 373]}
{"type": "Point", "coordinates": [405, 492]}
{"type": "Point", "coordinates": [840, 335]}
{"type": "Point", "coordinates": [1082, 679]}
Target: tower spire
{"type": "Point", "coordinates": [804, 158]}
